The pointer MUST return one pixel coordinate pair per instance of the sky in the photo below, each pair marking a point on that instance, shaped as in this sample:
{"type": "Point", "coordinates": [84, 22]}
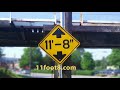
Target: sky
{"type": "Point", "coordinates": [96, 52]}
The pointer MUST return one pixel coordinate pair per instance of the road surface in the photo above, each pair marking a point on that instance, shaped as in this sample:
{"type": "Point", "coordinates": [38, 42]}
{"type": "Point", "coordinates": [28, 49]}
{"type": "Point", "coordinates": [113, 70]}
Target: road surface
{"type": "Point", "coordinates": [43, 75]}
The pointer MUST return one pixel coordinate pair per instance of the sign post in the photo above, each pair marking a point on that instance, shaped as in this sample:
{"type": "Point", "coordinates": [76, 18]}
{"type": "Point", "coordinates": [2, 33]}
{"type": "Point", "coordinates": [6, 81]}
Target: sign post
{"type": "Point", "coordinates": [68, 26]}
{"type": "Point", "coordinates": [59, 45]}
{"type": "Point", "coordinates": [62, 23]}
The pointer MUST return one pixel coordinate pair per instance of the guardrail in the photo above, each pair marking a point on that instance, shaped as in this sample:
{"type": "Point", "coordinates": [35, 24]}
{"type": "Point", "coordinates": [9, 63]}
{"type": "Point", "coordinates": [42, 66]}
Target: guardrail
{"type": "Point", "coordinates": [58, 21]}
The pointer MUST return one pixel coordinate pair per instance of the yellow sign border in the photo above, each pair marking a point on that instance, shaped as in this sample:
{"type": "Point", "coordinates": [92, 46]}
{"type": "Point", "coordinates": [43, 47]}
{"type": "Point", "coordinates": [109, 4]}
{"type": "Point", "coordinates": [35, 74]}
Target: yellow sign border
{"type": "Point", "coordinates": [62, 61]}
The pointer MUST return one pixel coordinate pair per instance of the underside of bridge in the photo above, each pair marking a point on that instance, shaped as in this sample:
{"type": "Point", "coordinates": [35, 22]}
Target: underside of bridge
{"type": "Point", "coordinates": [88, 35]}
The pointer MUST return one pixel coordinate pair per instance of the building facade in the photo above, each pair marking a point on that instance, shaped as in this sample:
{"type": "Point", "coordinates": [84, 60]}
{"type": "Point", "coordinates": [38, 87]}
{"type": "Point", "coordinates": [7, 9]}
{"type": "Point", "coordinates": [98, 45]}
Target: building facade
{"type": "Point", "coordinates": [8, 62]}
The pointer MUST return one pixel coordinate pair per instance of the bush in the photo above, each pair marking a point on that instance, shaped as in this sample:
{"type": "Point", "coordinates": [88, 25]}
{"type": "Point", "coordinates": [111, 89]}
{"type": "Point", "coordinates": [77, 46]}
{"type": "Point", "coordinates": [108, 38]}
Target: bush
{"type": "Point", "coordinates": [83, 72]}
{"type": "Point", "coordinates": [4, 73]}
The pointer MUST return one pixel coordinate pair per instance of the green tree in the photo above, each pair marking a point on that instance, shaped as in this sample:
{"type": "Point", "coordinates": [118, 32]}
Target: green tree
{"type": "Point", "coordinates": [104, 63]}
{"type": "Point", "coordinates": [87, 62]}
{"type": "Point", "coordinates": [35, 57]}
{"type": "Point", "coordinates": [76, 58]}
{"type": "Point", "coordinates": [48, 61]}
{"type": "Point", "coordinates": [101, 64]}
{"type": "Point", "coordinates": [97, 63]}
{"type": "Point", "coordinates": [114, 57]}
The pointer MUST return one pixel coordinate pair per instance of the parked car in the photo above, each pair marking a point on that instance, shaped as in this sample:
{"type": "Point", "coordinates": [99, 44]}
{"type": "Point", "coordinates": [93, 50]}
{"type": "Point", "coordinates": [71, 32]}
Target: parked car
{"type": "Point", "coordinates": [104, 72]}
{"type": "Point", "coordinates": [107, 72]}
{"type": "Point", "coordinates": [116, 72]}
{"type": "Point", "coordinates": [25, 71]}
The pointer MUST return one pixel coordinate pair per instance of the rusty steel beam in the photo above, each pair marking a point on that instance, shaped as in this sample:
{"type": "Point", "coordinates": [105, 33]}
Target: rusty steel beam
{"type": "Point", "coordinates": [68, 26]}
{"type": "Point", "coordinates": [95, 36]}
{"type": "Point", "coordinates": [96, 28]}
{"type": "Point", "coordinates": [17, 43]}
{"type": "Point", "coordinates": [89, 36]}
{"type": "Point", "coordinates": [88, 28]}
{"type": "Point", "coordinates": [98, 39]}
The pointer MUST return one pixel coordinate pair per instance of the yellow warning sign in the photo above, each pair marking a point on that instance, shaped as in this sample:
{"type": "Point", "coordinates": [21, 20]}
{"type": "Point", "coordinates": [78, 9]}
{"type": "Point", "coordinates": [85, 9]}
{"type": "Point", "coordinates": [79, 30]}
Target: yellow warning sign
{"type": "Point", "coordinates": [59, 44]}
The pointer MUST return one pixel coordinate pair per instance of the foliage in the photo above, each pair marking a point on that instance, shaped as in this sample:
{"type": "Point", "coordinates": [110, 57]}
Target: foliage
{"type": "Point", "coordinates": [31, 55]}
{"type": "Point", "coordinates": [76, 58]}
{"type": "Point", "coordinates": [104, 63]}
{"type": "Point", "coordinates": [48, 61]}
{"type": "Point", "coordinates": [87, 62]}
{"type": "Point", "coordinates": [4, 73]}
{"type": "Point", "coordinates": [114, 57]}
{"type": "Point", "coordinates": [101, 64]}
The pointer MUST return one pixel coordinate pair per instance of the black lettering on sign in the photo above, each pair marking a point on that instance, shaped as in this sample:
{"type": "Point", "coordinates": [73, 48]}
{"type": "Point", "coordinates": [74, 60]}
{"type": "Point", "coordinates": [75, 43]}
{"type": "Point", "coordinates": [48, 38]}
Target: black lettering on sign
{"type": "Point", "coordinates": [57, 44]}
{"type": "Point", "coordinates": [59, 55]}
{"type": "Point", "coordinates": [58, 33]}
{"type": "Point", "coordinates": [66, 43]}
{"type": "Point", "coordinates": [48, 44]}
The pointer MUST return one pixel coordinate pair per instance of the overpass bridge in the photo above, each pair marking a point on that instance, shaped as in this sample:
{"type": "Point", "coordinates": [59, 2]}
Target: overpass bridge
{"type": "Point", "coordinates": [29, 32]}
{"type": "Point", "coordinates": [25, 33]}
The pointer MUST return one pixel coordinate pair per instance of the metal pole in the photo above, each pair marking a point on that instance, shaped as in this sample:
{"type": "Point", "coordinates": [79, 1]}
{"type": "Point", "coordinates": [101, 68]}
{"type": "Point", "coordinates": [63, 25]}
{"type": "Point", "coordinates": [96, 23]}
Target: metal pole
{"type": "Point", "coordinates": [65, 22]}
{"type": "Point", "coordinates": [68, 26]}
{"type": "Point", "coordinates": [62, 23]}
{"type": "Point", "coordinates": [56, 73]}
{"type": "Point", "coordinates": [55, 17]}
{"type": "Point", "coordinates": [62, 19]}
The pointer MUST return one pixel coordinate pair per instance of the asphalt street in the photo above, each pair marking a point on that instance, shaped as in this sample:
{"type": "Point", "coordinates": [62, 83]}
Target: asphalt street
{"type": "Point", "coordinates": [43, 75]}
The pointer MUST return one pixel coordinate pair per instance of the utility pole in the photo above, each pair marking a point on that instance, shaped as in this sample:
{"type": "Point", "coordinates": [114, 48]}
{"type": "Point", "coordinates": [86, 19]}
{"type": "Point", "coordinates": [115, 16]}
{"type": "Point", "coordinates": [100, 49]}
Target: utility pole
{"type": "Point", "coordinates": [62, 23]}
{"type": "Point", "coordinates": [66, 22]}
{"type": "Point", "coordinates": [68, 26]}
{"type": "Point", "coordinates": [58, 73]}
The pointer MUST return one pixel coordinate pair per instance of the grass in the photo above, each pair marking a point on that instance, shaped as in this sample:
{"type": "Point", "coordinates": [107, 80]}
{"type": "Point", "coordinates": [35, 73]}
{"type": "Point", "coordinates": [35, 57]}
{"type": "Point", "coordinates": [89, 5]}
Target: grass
{"type": "Point", "coordinates": [115, 77]}
{"type": "Point", "coordinates": [102, 75]}
{"type": "Point", "coordinates": [83, 72]}
{"type": "Point", "coordinates": [7, 74]}
{"type": "Point", "coordinates": [23, 76]}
